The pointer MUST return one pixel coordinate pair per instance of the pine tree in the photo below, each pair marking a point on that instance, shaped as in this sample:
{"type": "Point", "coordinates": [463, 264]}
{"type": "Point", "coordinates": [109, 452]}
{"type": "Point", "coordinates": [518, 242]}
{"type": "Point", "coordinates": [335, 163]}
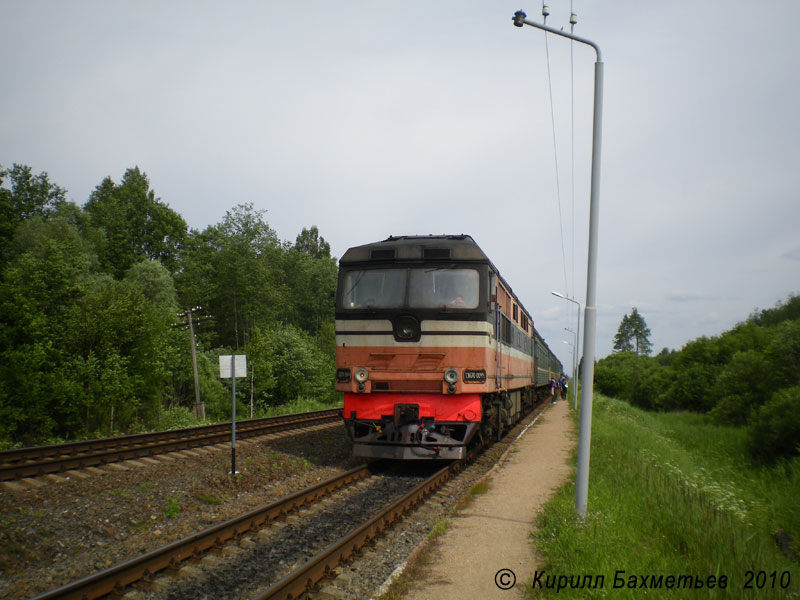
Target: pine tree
{"type": "Point", "coordinates": [622, 341]}
{"type": "Point", "coordinates": [633, 334]}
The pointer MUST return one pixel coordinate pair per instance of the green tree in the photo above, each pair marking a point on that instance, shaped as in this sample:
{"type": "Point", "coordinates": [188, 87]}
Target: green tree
{"type": "Point", "coordinates": [633, 334]}
{"type": "Point", "coordinates": [783, 355]}
{"type": "Point", "coordinates": [25, 196]}
{"type": "Point", "coordinates": [622, 340]}
{"type": "Point", "coordinates": [156, 284]}
{"type": "Point", "coordinates": [310, 242]}
{"type": "Point", "coordinates": [783, 311]}
{"type": "Point", "coordinates": [740, 388]}
{"type": "Point", "coordinates": [48, 273]}
{"type": "Point", "coordinates": [235, 271]}
{"type": "Point", "coordinates": [79, 351]}
{"type": "Point", "coordinates": [288, 364]}
{"type": "Point", "coordinates": [311, 283]}
{"type": "Point", "coordinates": [775, 430]}
{"type": "Point", "coordinates": [136, 224]}
{"type": "Point", "coordinates": [635, 378]}
{"type": "Point", "coordinates": [114, 345]}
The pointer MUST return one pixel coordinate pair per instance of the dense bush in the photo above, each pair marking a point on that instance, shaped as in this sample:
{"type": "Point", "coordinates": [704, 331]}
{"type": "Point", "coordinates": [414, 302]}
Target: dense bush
{"type": "Point", "coordinates": [611, 378]}
{"type": "Point", "coordinates": [775, 429]}
{"type": "Point", "coordinates": [741, 387]}
{"type": "Point", "coordinates": [292, 365]}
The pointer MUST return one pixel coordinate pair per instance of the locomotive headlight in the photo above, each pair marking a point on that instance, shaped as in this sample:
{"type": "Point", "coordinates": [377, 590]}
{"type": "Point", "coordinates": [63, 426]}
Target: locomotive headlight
{"type": "Point", "coordinates": [361, 375]}
{"type": "Point", "coordinates": [406, 329]}
{"type": "Point", "coordinates": [451, 376]}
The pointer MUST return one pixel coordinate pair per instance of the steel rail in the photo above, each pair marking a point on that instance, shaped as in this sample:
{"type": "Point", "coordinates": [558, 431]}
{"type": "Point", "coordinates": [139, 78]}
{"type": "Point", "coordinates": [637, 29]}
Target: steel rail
{"type": "Point", "coordinates": [119, 576]}
{"type": "Point", "coordinates": [41, 460]}
{"type": "Point", "coordinates": [307, 576]}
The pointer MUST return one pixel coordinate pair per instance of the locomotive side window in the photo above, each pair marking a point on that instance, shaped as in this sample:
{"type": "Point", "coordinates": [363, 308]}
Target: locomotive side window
{"type": "Point", "coordinates": [374, 288]}
{"type": "Point", "coordinates": [443, 288]}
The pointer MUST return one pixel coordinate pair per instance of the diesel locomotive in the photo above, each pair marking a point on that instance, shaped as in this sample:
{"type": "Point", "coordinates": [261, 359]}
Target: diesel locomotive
{"type": "Point", "coordinates": [434, 351]}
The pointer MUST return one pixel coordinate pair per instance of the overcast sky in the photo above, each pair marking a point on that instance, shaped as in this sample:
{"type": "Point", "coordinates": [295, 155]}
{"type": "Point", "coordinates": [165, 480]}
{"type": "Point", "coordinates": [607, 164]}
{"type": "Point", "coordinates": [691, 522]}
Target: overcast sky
{"type": "Point", "coordinates": [371, 119]}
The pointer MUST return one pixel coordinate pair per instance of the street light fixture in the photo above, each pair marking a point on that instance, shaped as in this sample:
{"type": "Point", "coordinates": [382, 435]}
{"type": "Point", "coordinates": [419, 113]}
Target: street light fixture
{"type": "Point", "coordinates": [587, 373]}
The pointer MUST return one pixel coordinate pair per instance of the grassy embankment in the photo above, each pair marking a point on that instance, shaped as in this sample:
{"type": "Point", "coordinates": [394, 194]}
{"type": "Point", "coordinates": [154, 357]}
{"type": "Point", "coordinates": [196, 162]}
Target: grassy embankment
{"type": "Point", "coordinates": [670, 494]}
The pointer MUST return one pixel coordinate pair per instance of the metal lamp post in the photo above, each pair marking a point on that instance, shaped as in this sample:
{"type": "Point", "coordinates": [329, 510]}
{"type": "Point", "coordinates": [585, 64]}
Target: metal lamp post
{"type": "Point", "coordinates": [587, 375]}
{"type": "Point", "coordinates": [574, 347]}
{"type": "Point", "coordinates": [577, 348]}
{"type": "Point", "coordinates": [574, 368]}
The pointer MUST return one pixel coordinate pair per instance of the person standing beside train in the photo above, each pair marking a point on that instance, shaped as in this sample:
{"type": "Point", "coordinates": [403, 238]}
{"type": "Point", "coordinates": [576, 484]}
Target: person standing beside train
{"type": "Point", "coordinates": [553, 390]}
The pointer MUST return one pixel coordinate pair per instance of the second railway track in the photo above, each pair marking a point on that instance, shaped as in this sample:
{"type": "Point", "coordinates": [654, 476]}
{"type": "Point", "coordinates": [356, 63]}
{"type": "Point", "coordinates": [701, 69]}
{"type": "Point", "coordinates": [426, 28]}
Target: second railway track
{"type": "Point", "coordinates": [43, 460]}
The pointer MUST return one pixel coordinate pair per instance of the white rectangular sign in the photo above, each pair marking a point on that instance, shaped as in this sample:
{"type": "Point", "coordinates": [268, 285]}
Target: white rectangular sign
{"type": "Point", "coordinates": [240, 364]}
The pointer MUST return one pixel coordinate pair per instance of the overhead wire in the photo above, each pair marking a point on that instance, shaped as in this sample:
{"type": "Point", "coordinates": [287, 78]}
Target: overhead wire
{"type": "Point", "coordinates": [545, 13]}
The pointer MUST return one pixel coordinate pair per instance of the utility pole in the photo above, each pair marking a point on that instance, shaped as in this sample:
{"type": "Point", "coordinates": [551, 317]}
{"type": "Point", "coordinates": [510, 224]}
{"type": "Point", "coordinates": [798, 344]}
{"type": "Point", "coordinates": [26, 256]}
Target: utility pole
{"type": "Point", "coordinates": [199, 405]}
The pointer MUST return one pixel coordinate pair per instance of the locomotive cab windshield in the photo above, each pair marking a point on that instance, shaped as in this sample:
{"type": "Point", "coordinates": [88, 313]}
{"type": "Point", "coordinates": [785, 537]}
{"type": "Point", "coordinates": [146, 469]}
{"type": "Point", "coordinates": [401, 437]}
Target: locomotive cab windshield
{"type": "Point", "coordinates": [430, 287]}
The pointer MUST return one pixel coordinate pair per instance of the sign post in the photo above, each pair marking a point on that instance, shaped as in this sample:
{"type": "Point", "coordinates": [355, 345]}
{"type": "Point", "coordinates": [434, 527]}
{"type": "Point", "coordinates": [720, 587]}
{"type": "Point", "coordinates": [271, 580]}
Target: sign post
{"type": "Point", "coordinates": [232, 366]}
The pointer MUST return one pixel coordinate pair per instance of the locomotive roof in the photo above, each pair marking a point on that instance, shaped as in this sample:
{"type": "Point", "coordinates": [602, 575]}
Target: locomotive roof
{"type": "Point", "coordinates": [417, 247]}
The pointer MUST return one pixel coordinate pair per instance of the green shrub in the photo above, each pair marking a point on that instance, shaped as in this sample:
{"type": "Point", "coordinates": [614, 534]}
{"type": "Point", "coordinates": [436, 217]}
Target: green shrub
{"type": "Point", "coordinates": [609, 380]}
{"type": "Point", "coordinates": [177, 417]}
{"type": "Point", "coordinates": [741, 387]}
{"type": "Point", "coordinates": [173, 508]}
{"type": "Point", "coordinates": [635, 378]}
{"type": "Point", "coordinates": [783, 354]}
{"type": "Point", "coordinates": [289, 365]}
{"type": "Point", "coordinates": [775, 430]}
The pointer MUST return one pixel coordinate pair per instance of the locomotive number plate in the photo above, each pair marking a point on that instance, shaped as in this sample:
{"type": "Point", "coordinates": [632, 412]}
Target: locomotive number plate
{"type": "Point", "coordinates": [474, 376]}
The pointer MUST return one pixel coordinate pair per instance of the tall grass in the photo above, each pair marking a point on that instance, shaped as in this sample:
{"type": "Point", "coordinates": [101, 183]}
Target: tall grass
{"type": "Point", "coordinates": [180, 417]}
{"type": "Point", "coordinates": [671, 495]}
{"type": "Point", "coordinates": [300, 405]}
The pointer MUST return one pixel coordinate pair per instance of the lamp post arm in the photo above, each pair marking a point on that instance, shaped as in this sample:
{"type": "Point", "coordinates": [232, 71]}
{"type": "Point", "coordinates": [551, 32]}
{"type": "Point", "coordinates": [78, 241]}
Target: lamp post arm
{"type": "Point", "coordinates": [520, 20]}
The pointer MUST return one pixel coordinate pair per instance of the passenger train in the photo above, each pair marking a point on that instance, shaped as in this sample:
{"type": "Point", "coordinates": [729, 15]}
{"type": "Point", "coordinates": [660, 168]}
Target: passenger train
{"type": "Point", "coordinates": [434, 351]}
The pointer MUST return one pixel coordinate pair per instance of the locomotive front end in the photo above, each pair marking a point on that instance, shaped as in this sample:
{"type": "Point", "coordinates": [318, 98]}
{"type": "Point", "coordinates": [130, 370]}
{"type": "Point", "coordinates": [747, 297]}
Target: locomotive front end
{"type": "Point", "coordinates": [413, 346]}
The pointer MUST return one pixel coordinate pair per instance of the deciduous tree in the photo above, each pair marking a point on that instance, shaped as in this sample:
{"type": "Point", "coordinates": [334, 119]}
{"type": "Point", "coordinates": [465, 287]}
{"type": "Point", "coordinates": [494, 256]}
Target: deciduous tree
{"type": "Point", "coordinates": [137, 225]}
{"type": "Point", "coordinates": [25, 195]}
{"type": "Point", "coordinates": [311, 242]}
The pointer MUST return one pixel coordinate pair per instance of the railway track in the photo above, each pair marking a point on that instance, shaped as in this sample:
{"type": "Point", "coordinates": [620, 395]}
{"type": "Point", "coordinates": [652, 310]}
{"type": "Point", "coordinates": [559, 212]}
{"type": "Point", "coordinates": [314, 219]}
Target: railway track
{"type": "Point", "coordinates": [42, 460]}
{"type": "Point", "coordinates": [147, 565]}
{"type": "Point", "coordinates": [307, 577]}
{"type": "Point", "coordinates": [294, 541]}
{"type": "Point", "coordinates": [284, 554]}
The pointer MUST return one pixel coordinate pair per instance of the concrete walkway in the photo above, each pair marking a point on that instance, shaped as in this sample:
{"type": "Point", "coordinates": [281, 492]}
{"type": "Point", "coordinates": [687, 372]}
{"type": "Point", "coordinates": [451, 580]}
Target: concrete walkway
{"type": "Point", "coordinates": [493, 533]}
